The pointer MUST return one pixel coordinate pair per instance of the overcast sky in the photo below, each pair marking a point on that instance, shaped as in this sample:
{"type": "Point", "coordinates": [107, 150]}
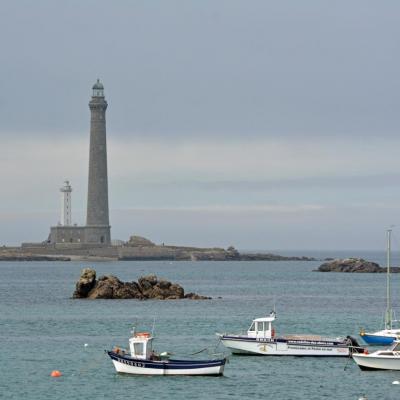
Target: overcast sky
{"type": "Point", "coordinates": [262, 124]}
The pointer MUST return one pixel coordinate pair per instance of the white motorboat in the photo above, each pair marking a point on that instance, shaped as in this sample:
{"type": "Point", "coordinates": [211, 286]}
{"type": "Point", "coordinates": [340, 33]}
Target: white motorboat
{"type": "Point", "coordinates": [386, 359]}
{"type": "Point", "coordinates": [142, 360]}
{"type": "Point", "coordinates": [261, 339]}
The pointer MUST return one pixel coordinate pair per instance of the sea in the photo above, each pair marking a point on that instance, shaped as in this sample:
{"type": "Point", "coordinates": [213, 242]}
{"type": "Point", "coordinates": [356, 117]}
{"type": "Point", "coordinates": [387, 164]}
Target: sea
{"type": "Point", "coordinates": [43, 329]}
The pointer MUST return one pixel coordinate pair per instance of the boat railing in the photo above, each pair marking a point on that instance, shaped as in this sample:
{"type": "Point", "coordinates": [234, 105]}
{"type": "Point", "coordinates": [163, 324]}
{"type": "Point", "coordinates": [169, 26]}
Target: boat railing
{"type": "Point", "coordinates": [314, 337]}
{"type": "Point", "coordinates": [120, 350]}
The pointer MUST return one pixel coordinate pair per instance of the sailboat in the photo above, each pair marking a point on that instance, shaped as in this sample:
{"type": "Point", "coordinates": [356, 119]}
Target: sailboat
{"type": "Point", "coordinates": [389, 334]}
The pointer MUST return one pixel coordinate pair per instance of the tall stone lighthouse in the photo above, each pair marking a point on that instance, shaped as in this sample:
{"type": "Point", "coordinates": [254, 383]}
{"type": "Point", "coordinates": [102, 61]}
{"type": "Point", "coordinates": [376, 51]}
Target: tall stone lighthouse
{"type": "Point", "coordinates": [97, 220]}
{"type": "Point", "coordinates": [96, 232]}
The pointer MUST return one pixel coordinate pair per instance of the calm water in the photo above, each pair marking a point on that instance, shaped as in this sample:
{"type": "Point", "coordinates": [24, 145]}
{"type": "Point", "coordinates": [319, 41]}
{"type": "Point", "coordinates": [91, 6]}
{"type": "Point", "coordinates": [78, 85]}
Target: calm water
{"type": "Point", "coordinates": [42, 329]}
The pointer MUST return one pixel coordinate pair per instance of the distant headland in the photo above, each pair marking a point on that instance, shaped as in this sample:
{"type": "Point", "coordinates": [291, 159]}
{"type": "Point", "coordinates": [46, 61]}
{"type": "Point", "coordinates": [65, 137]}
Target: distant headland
{"type": "Point", "coordinates": [136, 248]}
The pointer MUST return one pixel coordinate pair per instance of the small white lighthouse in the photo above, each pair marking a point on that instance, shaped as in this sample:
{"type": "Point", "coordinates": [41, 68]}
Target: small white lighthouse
{"type": "Point", "coordinates": [66, 218]}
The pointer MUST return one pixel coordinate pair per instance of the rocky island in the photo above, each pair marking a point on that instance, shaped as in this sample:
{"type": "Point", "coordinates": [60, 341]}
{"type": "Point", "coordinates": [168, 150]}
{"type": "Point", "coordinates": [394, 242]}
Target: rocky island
{"type": "Point", "coordinates": [15, 254]}
{"type": "Point", "coordinates": [147, 287]}
{"type": "Point", "coordinates": [355, 265]}
{"type": "Point", "coordinates": [137, 248]}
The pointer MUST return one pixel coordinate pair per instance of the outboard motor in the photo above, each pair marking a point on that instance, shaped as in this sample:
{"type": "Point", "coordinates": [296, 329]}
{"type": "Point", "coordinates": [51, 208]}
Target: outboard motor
{"type": "Point", "coordinates": [354, 345]}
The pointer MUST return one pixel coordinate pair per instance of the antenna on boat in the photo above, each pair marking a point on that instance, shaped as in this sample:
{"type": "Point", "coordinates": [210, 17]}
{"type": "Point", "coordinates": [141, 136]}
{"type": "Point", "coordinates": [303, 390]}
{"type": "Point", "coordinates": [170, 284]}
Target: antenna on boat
{"type": "Point", "coordinates": [389, 312]}
{"type": "Point", "coordinates": [134, 325]}
{"type": "Point", "coordinates": [154, 324]}
{"type": "Point", "coordinates": [273, 312]}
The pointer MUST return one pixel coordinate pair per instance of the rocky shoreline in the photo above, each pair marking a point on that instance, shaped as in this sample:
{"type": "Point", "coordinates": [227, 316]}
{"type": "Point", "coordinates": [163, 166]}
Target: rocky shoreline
{"type": "Point", "coordinates": [136, 248]}
{"type": "Point", "coordinates": [20, 256]}
{"type": "Point", "coordinates": [354, 265]}
{"type": "Point", "coordinates": [147, 287]}
{"type": "Point", "coordinates": [272, 257]}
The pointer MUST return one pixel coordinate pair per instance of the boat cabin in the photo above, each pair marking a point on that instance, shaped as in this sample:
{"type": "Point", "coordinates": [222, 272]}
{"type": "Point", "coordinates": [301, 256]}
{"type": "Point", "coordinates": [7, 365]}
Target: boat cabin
{"type": "Point", "coordinates": [262, 327]}
{"type": "Point", "coordinates": [141, 345]}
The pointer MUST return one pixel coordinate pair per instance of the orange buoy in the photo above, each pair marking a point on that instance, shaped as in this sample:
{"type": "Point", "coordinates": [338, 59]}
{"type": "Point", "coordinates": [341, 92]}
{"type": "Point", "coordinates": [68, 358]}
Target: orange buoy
{"type": "Point", "coordinates": [55, 374]}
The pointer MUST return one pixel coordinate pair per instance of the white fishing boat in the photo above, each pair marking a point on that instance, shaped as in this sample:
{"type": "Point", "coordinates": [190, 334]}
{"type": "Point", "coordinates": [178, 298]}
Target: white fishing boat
{"type": "Point", "coordinates": [389, 334]}
{"type": "Point", "coordinates": [261, 339]}
{"type": "Point", "coordinates": [385, 359]}
{"type": "Point", "coordinates": [141, 359]}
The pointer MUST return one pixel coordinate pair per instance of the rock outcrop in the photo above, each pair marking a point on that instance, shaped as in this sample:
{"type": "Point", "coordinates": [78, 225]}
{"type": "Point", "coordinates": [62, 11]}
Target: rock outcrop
{"type": "Point", "coordinates": [85, 283]}
{"type": "Point", "coordinates": [356, 265]}
{"type": "Point", "coordinates": [139, 241]}
{"type": "Point", "coordinates": [147, 287]}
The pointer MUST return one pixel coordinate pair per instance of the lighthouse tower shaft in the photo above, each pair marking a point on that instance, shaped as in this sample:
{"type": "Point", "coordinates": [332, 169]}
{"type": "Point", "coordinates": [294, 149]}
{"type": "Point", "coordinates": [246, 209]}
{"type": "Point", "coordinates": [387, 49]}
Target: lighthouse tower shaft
{"type": "Point", "coordinates": [97, 219]}
{"type": "Point", "coordinates": [66, 217]}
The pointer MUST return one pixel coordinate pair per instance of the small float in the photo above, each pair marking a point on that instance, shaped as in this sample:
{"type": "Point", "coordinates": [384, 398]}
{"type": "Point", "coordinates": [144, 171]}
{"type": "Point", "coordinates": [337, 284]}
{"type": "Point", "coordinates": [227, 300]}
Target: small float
{"type": "Point", "coordinates": [386, 359]}
{"type": "Point", "coordinates": [261, 339]}
{"type": "Point", "coordinates": [141, 359]}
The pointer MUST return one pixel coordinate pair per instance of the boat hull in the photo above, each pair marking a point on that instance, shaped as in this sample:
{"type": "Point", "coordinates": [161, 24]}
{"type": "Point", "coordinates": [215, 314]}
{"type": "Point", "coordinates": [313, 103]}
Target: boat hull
{"type": "Point", "coordinates": [128, 365]}
{"type": "Point", "coordinates": [371, 362]}
{"type": "Point", "coordinates": [284, 347]}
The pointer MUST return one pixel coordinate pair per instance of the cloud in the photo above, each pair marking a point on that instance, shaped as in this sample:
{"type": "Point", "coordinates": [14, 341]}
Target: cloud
{"type": "Point", "coordinates": [182, 170]}
{"type": "Point", "coordinates": [263, 193]}
{"type": "Point", "coordinates": [211, 67]}
{"type": "Point", "coordinates": [230, 209]}
{"type": "Point", "coordinates": [211, 160]}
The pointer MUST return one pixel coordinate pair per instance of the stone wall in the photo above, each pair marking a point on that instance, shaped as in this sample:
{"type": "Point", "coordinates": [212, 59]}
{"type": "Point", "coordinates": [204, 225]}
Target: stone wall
{"type": "Point", "coordinates": [97, 235]}
{"type": "Point", "coordinates": [67, 234]}
{"type": "Point", "coordinates": [71, 249]}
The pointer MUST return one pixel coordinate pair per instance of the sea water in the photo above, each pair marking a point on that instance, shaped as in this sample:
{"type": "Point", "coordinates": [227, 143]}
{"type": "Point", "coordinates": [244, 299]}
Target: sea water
{"type": "Point", "coordinates": [43, 329]}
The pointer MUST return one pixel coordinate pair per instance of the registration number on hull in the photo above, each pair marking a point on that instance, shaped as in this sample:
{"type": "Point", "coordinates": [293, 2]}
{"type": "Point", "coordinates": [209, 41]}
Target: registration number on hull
{"type": "Point", "coordinates": [132, 363]}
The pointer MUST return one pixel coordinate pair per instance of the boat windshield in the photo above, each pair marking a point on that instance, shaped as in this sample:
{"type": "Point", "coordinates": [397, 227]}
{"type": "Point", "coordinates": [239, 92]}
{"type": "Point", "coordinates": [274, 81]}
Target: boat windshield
{"type": "Point", "coordinates": [252, 327]}
{"type": "Point", "coordinates": [139, 349]}
{"type": "Point", "coordinates": [396, 347]}
{"type": "Point", "coordinates": [261, 326]}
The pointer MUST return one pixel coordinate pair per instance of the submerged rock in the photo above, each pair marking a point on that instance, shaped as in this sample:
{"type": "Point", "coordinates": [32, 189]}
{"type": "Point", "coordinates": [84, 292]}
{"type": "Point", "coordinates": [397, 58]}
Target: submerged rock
{"type": "Point", "coordinates": [194, 296]}
{"type": "Point", "coordinates": [147, 287]}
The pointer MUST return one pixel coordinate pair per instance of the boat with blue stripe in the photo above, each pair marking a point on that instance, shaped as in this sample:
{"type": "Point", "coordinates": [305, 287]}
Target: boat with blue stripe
{"type": "Point", "coordinates": [384, 337]}
{"type": "Point", "coordinates": [389, 334]}
{"type": "Point", "coordinates": [141, 359]}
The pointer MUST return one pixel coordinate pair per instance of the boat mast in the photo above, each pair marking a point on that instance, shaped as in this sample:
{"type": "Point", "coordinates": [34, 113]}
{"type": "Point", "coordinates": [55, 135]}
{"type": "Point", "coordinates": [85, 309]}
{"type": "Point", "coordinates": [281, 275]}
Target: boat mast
{"type": "Point", "coordinates": [388, 316]}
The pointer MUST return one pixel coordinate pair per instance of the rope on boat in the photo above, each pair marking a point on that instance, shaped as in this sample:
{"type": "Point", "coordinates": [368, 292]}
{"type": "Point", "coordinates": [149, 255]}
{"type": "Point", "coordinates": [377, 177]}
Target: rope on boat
{"type": "Point", "coordinates": [212, 351]}
{"type": "Point", "coordinates": [198, 352]}
{"type": "Point", "coordinates": [347, 362]}
{"type": "Point", "coordinates": [351, 355]}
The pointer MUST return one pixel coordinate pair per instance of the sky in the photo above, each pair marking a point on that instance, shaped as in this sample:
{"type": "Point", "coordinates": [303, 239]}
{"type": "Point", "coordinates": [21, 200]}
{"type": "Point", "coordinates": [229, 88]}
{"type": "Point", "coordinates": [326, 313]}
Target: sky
{"type": "Point", "coordinates": [259, 124]}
